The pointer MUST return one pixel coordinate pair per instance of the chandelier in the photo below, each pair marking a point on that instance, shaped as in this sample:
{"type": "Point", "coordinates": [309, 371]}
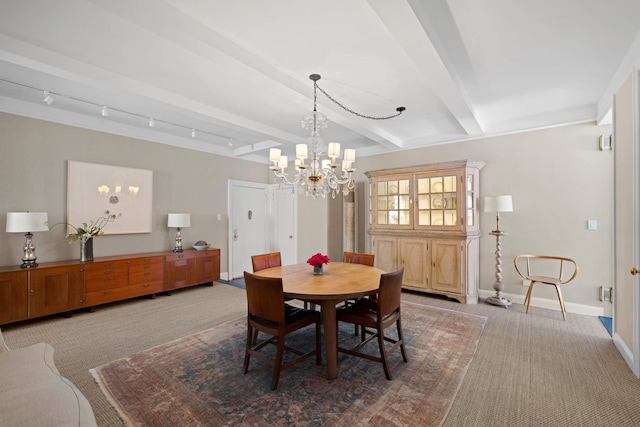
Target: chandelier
{"type": "Point", "coordinates": [318, 176]}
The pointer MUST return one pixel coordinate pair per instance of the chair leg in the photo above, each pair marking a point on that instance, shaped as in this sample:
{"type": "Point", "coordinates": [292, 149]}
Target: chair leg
{"type": "Point", "coordinates": [401, 339]}
{"type": "Point", "coordinates": [245, 366]}
{"type": "Point", "coordinates": [255, 337]}
{"type": "Point", "coordinates": [278, 364]}
{"type": "Point", "coordinates": [383, 353]}
{"type": "Point", "coordinates": [527, 299]}
{"type": "Point", "coordinates": [562, 307]}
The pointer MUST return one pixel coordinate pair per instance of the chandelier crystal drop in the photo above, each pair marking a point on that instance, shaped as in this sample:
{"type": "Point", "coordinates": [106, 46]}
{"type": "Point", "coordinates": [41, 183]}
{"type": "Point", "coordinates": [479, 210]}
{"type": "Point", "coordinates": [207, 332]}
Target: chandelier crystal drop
{"type": "Point", "coordinates": [315, 176]}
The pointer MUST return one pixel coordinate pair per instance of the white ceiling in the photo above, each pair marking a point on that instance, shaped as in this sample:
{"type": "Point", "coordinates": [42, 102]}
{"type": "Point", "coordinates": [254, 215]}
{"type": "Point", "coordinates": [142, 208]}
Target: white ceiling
{"type": "Point", "coordinates": [237, 71]}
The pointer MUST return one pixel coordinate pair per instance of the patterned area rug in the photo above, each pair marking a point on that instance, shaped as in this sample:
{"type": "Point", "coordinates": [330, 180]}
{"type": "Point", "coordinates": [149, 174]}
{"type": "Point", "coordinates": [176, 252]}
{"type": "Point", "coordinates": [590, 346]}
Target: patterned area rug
{"type": "Point", "coordinates": [197, 380]}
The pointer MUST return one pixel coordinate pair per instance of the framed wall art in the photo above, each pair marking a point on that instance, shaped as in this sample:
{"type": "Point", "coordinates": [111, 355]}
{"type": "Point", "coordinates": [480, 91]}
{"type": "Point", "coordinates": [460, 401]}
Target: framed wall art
{"type": "Point", "coordinates": [94, 188]}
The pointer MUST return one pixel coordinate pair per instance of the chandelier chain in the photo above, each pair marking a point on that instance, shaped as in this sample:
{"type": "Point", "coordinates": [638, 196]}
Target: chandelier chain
{"type": "Point", "coordinates": [399, 110]}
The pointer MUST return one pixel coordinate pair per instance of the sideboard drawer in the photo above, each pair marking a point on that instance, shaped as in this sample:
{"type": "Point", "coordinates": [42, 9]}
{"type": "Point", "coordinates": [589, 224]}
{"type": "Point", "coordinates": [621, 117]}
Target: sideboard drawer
{"type": "Point", "coordinates": [107, 282]}
{"type": "Point", "coordinates": [146, 276]}
{"type": "Point", "coordinates": [107, 268]}
{"type": "Point", "coordinates": [117, 294]}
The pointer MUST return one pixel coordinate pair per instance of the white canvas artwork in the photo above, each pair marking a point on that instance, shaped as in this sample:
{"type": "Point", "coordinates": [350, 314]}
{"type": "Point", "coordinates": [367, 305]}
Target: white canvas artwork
{"type": "Point", "coordinates": [94, 188]}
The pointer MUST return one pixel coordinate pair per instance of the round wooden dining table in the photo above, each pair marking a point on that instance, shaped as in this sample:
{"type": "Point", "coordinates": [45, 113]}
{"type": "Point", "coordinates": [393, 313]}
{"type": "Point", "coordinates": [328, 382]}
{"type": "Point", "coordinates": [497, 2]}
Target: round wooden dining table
{"type": "Point", "coordinates": [340, 281]}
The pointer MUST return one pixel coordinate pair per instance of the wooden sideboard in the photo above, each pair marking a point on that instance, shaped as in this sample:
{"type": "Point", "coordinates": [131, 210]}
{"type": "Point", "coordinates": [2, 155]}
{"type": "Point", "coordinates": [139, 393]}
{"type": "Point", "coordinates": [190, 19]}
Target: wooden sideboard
{"type": "Point", "coordinates": [64, 286]}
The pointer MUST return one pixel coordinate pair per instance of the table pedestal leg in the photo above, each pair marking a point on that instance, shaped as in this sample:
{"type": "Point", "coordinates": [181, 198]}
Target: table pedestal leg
{"type": "Point", "coordinates": [330, 337]}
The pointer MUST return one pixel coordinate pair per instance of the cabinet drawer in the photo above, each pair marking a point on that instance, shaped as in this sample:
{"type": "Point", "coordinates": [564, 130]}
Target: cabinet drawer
{"type": "Point", "coordinates": [146, 276]}
{"type": "Point", "coordinates": [117, 294]}
{"type": "Point", "coordinates": [177, 257]}
{"type": "Point", "coordinates": [103, 269]}
{"type": "Point", "coordinates": [144, 264]}
{"type": "Point", "coordinates": [107, 282]}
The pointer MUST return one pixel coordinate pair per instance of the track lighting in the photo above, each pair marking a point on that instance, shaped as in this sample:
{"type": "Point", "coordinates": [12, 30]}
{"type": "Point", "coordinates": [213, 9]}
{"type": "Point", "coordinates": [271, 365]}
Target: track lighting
{"type": "Point", "coordinates": [48, 99]}
{"type": "Point", "coordinates": [152, 122]}
{"type": "Point", "coordinates": [193, 133]}
{"type": "Point", "coordinates": [105, 111]}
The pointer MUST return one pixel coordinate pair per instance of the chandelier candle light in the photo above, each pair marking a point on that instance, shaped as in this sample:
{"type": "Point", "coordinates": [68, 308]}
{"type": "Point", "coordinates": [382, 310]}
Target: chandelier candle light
{"type": "Point", "coordinates": [319, 177]}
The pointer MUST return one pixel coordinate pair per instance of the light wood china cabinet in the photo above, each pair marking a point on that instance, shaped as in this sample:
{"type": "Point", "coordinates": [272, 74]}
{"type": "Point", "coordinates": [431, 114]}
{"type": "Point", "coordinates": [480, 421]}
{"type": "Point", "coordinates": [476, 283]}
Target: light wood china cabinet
{"type": "Point", "coordinates": [425, 219]}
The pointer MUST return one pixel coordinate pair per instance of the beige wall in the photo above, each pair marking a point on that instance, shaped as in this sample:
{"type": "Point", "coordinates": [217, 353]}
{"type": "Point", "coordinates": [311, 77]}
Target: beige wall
{"type": "Point", "coordinates": [559, 179]}
{"type": "Point", "coordinates": [33, 170]}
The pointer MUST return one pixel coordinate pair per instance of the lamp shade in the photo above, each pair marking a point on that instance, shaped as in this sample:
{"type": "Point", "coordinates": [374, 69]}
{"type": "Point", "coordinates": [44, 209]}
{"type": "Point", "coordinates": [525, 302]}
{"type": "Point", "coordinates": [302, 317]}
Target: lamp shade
{"type": "Point", "coordinates": [179, 220]}
{"type": "Point", "coordinates": [27, 222]}
{"type": "Point", "coordinates": [498, 204]}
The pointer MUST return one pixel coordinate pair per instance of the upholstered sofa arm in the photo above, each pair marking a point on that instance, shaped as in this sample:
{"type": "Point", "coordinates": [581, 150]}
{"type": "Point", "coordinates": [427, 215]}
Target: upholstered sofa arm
{"type": "Point", "coordinates": [34, 393]}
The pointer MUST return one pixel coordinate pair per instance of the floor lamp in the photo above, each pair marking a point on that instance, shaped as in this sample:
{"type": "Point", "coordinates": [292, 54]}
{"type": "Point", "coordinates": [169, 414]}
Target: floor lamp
{"type": "Point", "coordinates": [498, 204]}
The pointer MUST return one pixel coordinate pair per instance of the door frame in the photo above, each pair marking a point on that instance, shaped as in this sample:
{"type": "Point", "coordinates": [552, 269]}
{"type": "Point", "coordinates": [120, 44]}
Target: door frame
{"type": "Point", "coordinates": [632, 355]}
{"type": "Point", "coordinates": [230, 185]}
{"type": "Point", "coordinates": [270, 209]}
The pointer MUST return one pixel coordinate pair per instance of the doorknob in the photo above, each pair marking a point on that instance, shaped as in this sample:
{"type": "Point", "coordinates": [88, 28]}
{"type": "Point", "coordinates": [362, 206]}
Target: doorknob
{"type": "Point", "coordinates": [290, 236]}
{"type": "Point", "coordinates": [235, 234]}
{"type": "Point", "coordinates": [634, 271]}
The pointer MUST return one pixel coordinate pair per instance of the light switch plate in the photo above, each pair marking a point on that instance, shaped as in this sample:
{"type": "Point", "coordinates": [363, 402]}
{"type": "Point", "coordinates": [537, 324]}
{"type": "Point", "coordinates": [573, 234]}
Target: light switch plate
{"type": "Point", "coordinates": [592, 224]}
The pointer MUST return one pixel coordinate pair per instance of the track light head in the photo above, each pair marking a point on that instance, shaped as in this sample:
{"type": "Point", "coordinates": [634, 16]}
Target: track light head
{"type": "Point", "coordinates": [152, 122]}
{"type": "Point", "coordinates": [105, 111]}
{"type": "Point", "coordinates": [193, 133]}
{"type": "Point", "coordinates": [48, 99]}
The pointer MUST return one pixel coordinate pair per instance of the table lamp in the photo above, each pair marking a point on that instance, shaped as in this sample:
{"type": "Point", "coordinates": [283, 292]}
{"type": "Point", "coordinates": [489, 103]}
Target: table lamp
{"type": "Point", "coordinates": [27, 222]}
{"type": "Point", "coordinates": [498, 204]}
{"type": "Point", "coordinates": [178, 221]}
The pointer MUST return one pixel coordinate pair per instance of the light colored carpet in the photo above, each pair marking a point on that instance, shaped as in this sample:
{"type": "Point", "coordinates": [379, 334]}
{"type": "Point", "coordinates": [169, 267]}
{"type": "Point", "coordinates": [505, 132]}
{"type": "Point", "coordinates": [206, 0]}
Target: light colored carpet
{"type": "Point", "coordinates": [529, 369]}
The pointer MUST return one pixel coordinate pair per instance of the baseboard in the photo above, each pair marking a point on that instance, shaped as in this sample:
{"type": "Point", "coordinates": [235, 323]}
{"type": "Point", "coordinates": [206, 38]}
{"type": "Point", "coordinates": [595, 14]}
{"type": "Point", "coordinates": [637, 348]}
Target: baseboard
{"type": "Point", "coordinates": [551, 304]}
{"type": "Point", "coordinates": [224, 276]}
{"type": "Point", "coordinates": [626, 353]}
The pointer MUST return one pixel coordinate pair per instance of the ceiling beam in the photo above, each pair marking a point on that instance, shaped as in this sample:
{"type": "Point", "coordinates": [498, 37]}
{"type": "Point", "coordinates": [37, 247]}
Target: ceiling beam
{"type": "Point", "coordinates": [420, 43]}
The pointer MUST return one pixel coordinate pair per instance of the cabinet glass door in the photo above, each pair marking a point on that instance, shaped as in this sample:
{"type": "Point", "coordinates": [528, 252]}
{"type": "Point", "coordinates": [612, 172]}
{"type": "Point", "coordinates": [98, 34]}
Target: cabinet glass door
{"type": "Point", "coordinates": [393, 203]}
{"type": "Point", "coordinates": [471, 220]}
{"type": "Point", "coordinates": [437, 198]}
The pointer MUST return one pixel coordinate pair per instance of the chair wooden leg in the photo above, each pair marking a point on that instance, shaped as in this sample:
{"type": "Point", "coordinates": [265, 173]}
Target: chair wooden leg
{"type": "Point", "coordinates": [527, 299]}
{"type": "Point", "coordinates": [278, 364]}
{"type": "Point", "coordinates": [245, 366]}
{"type": "Point", "coordinates": [401, 339]}
{"type": "Point", "coordinates": [562, 306]}
{"type": "Point", "coordinates": [255, 337]}
{"type": "Point", "coordinates": [383, 354]}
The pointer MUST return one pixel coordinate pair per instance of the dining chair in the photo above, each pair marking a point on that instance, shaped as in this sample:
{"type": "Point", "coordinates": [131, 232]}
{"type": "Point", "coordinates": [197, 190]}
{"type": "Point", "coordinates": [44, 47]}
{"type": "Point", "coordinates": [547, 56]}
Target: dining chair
{"type": "Point", "coordinates": [377, 315]}
{"type": "Point", "coordinates": [543, 271]}
{"type": "Point", "coordinates": [267, 313]}
{"type": "Point", "coordinates": [357, 258]}
{"type": "Point", "coordinates": [264, 261]}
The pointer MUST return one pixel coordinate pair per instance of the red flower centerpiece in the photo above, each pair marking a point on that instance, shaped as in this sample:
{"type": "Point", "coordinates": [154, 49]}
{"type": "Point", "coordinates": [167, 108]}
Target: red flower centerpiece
{"type": "Point", "coordinates": [317, 262]}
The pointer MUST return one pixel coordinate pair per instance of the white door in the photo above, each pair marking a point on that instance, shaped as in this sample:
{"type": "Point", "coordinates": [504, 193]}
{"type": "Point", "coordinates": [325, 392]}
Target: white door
{"type": "Point", "coordinates": [285, 224]}
{"type": "Point", "coordinates": [626, 296]}
{"type": "Point", "coordinates": [248, 225]}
